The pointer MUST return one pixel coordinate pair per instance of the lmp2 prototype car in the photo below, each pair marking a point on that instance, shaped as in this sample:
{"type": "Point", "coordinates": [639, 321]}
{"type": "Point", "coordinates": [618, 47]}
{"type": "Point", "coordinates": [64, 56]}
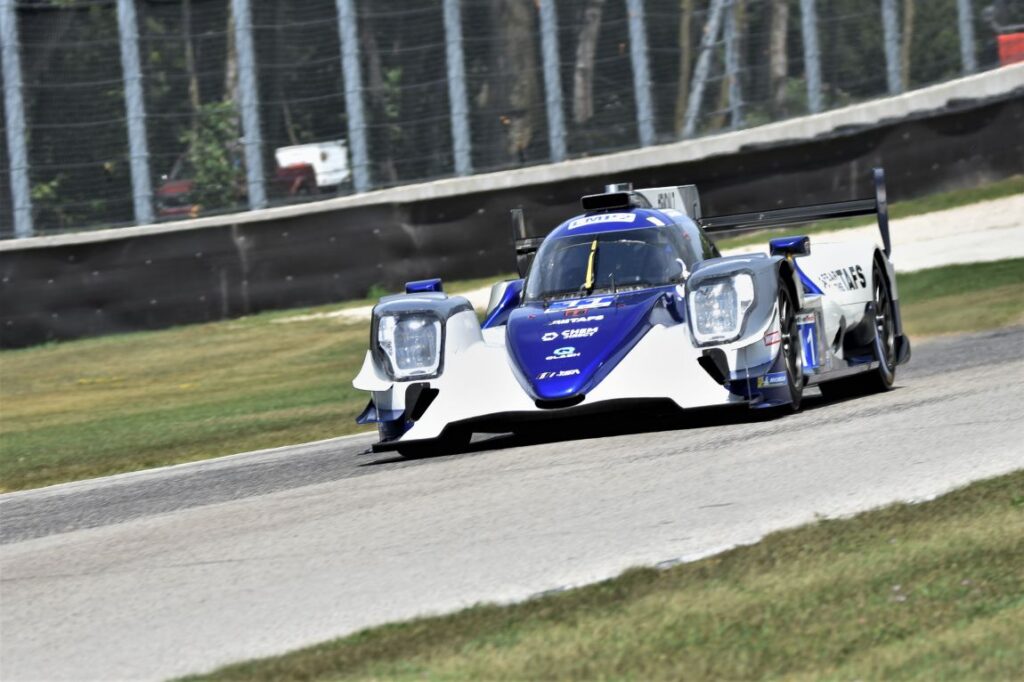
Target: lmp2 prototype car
{"type": "Point", "coordinates": [631, 304]}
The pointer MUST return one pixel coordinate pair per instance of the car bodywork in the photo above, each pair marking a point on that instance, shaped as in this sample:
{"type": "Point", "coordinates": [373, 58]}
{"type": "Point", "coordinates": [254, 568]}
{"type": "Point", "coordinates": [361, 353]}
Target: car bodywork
{"type": "Point", "coordinates": [658, 315]}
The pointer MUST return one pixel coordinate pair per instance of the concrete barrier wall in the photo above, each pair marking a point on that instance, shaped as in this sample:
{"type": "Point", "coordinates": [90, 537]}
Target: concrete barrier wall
{"type": "Point", "coordinates": [85, 284]}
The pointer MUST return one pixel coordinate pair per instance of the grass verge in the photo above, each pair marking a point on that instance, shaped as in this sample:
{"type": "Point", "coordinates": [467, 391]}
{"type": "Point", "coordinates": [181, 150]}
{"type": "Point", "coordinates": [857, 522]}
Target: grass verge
{"type": "Point", "coordinates": [120, 403]}
{"type": "Point", "coordinates": [928, 591]}
{"type": "Point", "coordinates": [901, 209]}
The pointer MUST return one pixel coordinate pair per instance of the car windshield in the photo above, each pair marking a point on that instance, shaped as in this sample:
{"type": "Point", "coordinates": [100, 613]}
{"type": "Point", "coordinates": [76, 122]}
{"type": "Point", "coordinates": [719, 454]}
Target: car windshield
{"type": "Point", "coordinates": [622, 260]}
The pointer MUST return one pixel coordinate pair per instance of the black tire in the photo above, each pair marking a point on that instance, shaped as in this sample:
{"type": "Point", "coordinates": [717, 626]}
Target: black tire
{"type": "Point", "coordinates": [881, 379]}
{"type": "Point", "coordinates": [449, 443]}
{"type": "Point", "coordinates": [790, 347]}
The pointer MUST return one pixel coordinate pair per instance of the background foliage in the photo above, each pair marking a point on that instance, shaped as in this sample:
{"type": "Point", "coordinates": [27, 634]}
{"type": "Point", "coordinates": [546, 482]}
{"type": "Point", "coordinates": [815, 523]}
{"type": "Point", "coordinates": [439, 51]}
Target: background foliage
{"type": "Point", "coordinates": [75, 112]}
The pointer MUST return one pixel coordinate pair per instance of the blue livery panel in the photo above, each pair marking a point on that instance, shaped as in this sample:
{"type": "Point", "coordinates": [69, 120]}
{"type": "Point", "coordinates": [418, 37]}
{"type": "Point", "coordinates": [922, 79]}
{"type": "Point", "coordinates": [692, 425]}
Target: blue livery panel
{"type": "Point", "coordinates": [567, 348]}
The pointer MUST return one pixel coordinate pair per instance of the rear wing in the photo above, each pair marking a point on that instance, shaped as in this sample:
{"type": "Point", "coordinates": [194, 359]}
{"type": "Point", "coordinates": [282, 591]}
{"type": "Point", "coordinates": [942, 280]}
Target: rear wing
{"type": "Point", "coordinates": [876, 205]}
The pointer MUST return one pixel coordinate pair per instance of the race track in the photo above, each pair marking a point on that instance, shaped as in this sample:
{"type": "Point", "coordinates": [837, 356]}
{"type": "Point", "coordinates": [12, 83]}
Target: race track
{"type": "Point", "coordinates": [179, 570]}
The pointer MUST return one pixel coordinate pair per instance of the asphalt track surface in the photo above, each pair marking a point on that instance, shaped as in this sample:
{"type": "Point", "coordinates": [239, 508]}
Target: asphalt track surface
{"type": "Point", "coordinates": [178, 570]}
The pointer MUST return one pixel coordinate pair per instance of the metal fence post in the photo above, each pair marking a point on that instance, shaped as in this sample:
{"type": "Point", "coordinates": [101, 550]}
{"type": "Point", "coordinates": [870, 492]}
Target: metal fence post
{"type": "Point", "coordinates": [552, 80]}
{"type": "Point", "coordinates": [135, 109]}
{"type": "Point", "coordinates": [700, 72]}
{"type": "Point", "coordinates": [14, 111]}
{"type": "Point", "coordinates": [249, 104]}
{"type": "Point", "coordinates": [965, 24]}
{"type": "Point", "coordinates": [349, 38]}
{"type": "Point", "coordinates": [812, 55]}
{"type": "Point", "coordinates": [641, 72]}
{"type": "Point", "coordinates": [891, 36]}
{"type": "Point", "coordinates": [732, 69]}
{"type": "Point", "coordinates": [457, 102]}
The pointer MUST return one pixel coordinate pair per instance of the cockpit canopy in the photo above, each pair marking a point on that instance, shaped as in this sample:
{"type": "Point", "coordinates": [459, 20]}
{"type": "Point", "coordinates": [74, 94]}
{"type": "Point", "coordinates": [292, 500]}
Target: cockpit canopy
{"type": "Point", "coordinates": [599, 262]}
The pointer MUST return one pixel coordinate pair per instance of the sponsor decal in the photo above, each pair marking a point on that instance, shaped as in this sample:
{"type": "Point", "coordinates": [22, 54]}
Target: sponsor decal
{"type": "Point", "coordinates": [666, 199]}
{"type": "Point", "coordinates": [575, 319]}
{"type": "Point", "coordinates": [563, 353]}
{"type": "Point", "coordinates": [602, 218]}
{"type": "Point", "coordinates": [558, 374]}
{"type": "Point", "coordinates": [774, 379]}
{"type": "Point", "coordinates": [845, 279]}
{"type": "Point", "coordinates": [580, 304]}
{"type": "Point", "coordinates": [581, 333]}
{"type": "Point", "coordinates": [772, 338]}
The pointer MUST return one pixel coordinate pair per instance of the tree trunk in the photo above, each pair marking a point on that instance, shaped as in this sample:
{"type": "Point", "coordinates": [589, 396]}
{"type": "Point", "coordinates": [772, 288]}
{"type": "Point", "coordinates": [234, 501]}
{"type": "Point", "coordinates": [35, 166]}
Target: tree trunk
{"type": "Point", "coordinates": [778, 58]}
{"type": "Point", "coordinates": [685, 63]}
{"type": "Point", "coordinates": [381, 106]}
{"type": "Point", "coordinates": [722, 108]}
{"type": "Point", "coordinates": [190, 60]}
{"type": "Point", "coordinates": [583, 75]}
{"type": "Point", "coordinates": [231, 63]}
{"type": "Point", "coordinates": [908, 41]}
{"type": "Point", "coordinates": [517, 37]}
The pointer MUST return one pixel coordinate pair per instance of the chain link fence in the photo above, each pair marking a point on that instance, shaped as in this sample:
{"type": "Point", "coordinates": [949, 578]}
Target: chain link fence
{"type": "Point", "coordinates": [121, 112]}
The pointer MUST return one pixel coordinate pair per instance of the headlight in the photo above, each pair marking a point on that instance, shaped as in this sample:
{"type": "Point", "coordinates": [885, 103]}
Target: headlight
{"type": "Point", "coordinates": [719, 307]}
{"type": "Point", "coordinates": [411, 345]}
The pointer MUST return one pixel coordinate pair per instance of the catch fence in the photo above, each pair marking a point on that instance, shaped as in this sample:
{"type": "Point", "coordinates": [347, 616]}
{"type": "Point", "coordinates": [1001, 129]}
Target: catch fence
{"type": "Point", "coordinates": [120, 112]}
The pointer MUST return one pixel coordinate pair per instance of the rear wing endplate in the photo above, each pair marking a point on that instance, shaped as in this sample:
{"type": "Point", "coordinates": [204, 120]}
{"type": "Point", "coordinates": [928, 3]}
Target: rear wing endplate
{"type": "Point", "coordinates": [877, 206]}
{"type": "Point", "coordinates": [526, 247]}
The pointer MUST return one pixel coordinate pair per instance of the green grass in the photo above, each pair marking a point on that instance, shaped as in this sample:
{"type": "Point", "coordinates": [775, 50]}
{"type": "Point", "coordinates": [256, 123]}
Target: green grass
{"type": "Point", "coordinates": [120, 403]}
{"type": "Point", "coordinates": [926, 592]}
{"type": "Point", "coordinates": [962, 298]}
{"type": "Point", "coordinates": [901, 209]}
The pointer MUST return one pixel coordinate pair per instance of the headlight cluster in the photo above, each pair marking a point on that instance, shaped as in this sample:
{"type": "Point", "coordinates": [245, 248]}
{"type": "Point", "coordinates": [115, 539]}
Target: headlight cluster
{"type": "Point", "coordinates": [719, 307]}
{"type": "Point", "coordinates": [411, 345]}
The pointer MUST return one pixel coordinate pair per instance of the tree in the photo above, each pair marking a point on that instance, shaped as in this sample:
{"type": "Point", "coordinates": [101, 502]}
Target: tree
{"type": "Point", "coordinates": [685, 63]}
{"type": "Point", "coordinates": [778, 61]}
{"type": "Point", "coordinates": [583, 73]}
{"type": "Point", "coordinates": [514, 77]}
{"type": "Point", "coordinates": [213, 152]}
{"type": "Point", "coordinates": [907, 42]}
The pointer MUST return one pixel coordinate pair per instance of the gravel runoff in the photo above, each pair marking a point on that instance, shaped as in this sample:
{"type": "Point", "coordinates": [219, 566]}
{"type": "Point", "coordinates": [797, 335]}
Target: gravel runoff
{"type": "Point", "coordinates": [157, 574]}
{"type": "Point", "coordinates": [929, 240]}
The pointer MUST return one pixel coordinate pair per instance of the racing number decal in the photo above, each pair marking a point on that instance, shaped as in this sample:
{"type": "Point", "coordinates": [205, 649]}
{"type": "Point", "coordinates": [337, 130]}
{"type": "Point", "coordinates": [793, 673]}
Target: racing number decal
{"type": "Point", "coordinates": [810, 352]}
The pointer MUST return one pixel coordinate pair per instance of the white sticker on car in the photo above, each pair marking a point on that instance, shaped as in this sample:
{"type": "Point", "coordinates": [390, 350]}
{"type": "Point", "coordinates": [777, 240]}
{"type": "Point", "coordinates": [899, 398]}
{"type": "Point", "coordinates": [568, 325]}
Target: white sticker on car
{"type": "Point", "coordinates": [563, 353]}
{"type": "Point", "coordinates": [577, 303]}
{"type": "Point", "coordinates": [602, 218]}
{"type": "Point", "coordinates": [575, 320]}
{"type": "Point", "coordinates": [558, 374]}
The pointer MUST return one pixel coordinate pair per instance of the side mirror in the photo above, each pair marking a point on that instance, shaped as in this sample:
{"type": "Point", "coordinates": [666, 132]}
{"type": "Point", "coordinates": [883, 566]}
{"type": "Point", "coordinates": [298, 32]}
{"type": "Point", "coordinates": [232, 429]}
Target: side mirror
{"type": "Point", "coordinates": [790, 246]}
{"type": "Point", "coordinates": [684, 272]}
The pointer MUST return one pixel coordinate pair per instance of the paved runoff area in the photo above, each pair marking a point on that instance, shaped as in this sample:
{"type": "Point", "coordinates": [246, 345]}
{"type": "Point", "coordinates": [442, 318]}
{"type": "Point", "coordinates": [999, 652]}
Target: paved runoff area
{"type": "Point", "coordinates": [179, 570]}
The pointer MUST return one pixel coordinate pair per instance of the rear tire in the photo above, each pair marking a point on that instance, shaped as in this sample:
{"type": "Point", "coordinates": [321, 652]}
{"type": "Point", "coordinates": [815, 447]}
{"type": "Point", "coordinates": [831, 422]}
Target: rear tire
{"type": "Point", "coordinates": [790, 347]}
{"type": "Point", "coordinates": [884, 347]}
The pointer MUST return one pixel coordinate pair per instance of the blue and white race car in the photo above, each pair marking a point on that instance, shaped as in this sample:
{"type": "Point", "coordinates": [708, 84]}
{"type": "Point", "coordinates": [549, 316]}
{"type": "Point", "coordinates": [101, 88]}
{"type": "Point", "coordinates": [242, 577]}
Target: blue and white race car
{"type": "Point", "coordinates": [631, 305]}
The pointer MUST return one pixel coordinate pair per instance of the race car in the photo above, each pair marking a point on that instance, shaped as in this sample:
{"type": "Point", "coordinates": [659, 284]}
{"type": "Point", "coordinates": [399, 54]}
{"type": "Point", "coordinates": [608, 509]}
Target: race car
{"type": "Point", "coordinates": [628, 306]}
